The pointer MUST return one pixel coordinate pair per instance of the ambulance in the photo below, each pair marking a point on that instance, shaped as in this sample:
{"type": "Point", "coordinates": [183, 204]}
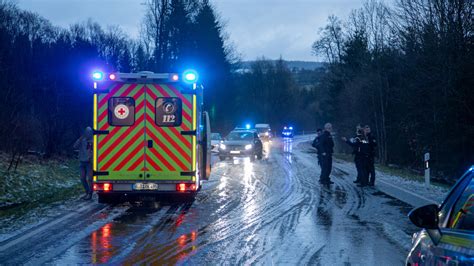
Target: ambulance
{"type": "Point", "coordinates": [151, 136]}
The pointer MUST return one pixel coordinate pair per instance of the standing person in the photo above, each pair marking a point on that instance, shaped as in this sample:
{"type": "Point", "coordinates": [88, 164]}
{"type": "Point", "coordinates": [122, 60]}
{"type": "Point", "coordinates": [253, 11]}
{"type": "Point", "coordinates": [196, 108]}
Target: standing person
{"type": "Point", "coordinates": [325, 151]}
{"type": "Point", "coordinates": [315, 143]}
{"type": "Point", "coordinates": [372, 147]}
{"type": "Point", "coordinates": [84, 144]}
{"type": "Point", "coordinates": [354, 143]}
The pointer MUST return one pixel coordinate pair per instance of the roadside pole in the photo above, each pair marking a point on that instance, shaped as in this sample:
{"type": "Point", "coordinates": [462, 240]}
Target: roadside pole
{"type": "Point", "coordinates": [427, 169]}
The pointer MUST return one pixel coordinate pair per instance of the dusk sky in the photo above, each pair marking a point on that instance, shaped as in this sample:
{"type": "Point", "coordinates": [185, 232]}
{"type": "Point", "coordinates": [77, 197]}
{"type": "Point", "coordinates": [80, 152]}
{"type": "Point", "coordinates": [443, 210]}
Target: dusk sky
{"type": "Point", "coordinates": [256, 28]}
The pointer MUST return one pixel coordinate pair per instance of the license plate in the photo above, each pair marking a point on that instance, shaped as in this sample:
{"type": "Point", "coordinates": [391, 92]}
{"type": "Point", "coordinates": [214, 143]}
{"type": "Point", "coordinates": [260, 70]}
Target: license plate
{"type": "Point", "coordinates": [235, 152]}
{"type": "Point", "coordinates": [145, 186]}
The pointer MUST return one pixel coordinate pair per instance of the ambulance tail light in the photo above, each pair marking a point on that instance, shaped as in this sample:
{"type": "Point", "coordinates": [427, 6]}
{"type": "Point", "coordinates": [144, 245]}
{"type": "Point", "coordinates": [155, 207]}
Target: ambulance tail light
{"type": "Point", "coordinates": [102, 187]}
{"type": "Point", "coordinates": [107, 187]}
{"type": "Point", "coordinates": [183, 187]}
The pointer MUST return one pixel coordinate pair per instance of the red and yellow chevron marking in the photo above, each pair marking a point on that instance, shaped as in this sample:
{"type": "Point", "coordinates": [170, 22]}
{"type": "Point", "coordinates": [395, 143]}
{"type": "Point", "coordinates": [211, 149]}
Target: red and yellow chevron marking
{"type": "Point", "coordinates": [123, 148]}
{"type": "Point", "coordinates": [173, 151]}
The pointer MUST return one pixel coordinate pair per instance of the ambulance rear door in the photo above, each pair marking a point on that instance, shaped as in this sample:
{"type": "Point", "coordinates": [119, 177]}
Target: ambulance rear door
{"type": "Point", "coordinates": [170, 129]}
{"type": "Point", "coordinates": [120, 135]}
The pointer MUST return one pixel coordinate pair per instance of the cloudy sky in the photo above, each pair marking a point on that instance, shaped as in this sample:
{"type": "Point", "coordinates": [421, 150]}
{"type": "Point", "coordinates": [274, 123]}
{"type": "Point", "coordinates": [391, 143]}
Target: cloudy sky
{"type": "Point", "coordinates": [256, 28]}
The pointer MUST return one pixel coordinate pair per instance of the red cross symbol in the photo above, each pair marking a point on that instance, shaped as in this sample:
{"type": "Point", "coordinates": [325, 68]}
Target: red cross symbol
{"type": "Point", "coordinates": [121, 111]}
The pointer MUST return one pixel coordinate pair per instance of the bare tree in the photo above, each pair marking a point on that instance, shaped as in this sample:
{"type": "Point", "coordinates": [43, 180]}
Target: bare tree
{"type": "Point", "coordinates": [331, 40]}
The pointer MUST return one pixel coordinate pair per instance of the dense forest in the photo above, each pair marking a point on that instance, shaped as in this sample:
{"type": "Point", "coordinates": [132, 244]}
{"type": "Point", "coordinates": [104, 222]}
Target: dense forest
{"type": "Point", "coordinates": [45, 71]}
{"type": "Point", "coordinates": [405, 69]}
{"type": "Point", "coordinates": [408, 71]}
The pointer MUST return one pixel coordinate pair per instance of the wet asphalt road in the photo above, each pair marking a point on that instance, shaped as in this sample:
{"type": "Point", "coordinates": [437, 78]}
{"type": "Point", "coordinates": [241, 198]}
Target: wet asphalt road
{"type": "Point", "coordinates": [271, 211]}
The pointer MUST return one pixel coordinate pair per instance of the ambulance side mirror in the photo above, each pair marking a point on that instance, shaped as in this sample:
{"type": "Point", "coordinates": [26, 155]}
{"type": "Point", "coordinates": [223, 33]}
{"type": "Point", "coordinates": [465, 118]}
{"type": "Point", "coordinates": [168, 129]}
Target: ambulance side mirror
{"type": "Point", "coordinates": [207, 146]}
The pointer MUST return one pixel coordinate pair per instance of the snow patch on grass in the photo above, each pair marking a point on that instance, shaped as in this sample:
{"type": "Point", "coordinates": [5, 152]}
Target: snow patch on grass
{"type": "Point", "coordinates": [35, 189]}
{"type": "Point", "coordinates": [35, 180]}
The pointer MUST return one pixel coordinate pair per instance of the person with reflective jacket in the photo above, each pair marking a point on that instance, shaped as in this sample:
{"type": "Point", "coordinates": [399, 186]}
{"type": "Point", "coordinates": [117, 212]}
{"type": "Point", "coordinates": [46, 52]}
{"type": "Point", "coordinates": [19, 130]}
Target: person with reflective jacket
{"type": "Point", "coordinates": [373, 147]}
{"type": "Point", "coordinates": [357, 158]}
{"type": "Point", "coordinates": [361, 147]}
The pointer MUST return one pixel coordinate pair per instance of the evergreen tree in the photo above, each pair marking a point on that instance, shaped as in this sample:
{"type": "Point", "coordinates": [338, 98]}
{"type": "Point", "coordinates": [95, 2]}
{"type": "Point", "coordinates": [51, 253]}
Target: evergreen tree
{"type": "Point", "coordinates": [213, 64]}
{"type": "Point", "coordinates": [181, 44]}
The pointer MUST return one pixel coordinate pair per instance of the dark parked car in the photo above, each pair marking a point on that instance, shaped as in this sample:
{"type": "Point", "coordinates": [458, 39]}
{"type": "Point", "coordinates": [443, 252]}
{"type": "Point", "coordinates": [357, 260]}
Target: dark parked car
{"type": "Point", "coordinates": [447, 237]}
{"type": "Point", "coordinates": [245, 143]}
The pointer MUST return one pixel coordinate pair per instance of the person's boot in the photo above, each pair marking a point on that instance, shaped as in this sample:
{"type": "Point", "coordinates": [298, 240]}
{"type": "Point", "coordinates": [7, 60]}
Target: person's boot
{"type": "Point", "coordinates": [357, 181]}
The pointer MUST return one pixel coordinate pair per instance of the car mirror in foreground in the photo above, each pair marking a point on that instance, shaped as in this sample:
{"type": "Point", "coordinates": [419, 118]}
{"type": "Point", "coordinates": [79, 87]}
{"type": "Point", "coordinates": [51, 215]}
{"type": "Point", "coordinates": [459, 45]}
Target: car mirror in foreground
{"type": "Point", "coordinates": [425, 217]}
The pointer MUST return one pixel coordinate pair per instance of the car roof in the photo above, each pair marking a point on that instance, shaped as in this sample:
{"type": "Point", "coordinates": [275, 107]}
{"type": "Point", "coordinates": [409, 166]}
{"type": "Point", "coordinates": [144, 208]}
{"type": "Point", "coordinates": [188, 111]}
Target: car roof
{"type": "Point", "coordinates": [243, 130]}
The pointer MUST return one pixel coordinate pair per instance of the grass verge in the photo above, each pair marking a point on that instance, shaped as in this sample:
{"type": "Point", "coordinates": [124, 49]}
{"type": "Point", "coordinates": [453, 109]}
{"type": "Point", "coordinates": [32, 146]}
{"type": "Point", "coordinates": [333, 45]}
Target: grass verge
{"type": "Point", "coordinates": [394, 171]}
{"type": "Point", "coordinates": [36, 183]}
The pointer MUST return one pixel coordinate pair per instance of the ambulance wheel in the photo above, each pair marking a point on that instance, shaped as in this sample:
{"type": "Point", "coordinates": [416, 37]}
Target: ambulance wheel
{"type": "Point", "coordinates": [222, 158]}
{"type": "Point", "coordinates": [260, 156]}
{"type": "Point", "coordinates": [108, 199]}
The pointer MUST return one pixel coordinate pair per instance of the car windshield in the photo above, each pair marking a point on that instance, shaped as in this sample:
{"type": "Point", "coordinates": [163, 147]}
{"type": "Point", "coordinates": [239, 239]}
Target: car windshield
{"type": "Point", "coordinates": [261, 130]}
{"type": "Point", "coordinates": [462, 216]}
{"type": "Point", "coordinates": [240, 136]}
{"type": "Point", "coordinates": [215, 136]}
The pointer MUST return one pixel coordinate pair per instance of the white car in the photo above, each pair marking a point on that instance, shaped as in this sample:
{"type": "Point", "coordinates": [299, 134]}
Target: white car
{"type": "Point", "coordinates": [216, 139]}
{"type": "Point", "coordinates": [264, 131]}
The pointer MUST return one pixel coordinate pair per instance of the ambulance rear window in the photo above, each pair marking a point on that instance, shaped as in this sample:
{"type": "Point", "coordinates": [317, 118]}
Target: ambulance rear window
{"type": "Point", "coordinates": [121, 111]}
{"type": "Point", "coordinates": [168, 111]}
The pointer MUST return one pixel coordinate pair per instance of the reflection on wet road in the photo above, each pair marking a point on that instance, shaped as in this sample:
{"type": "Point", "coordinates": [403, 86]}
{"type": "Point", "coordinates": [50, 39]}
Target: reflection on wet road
{"type": "Point", "coordinates": [267, 211]}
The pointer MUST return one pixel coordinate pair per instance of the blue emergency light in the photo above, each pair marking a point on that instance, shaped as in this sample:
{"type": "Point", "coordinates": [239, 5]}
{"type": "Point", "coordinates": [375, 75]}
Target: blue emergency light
{"type": "Point", "coordinates": [291, 128]}
{"type": "Point", "coordinates": [190, 76]}
{"type": "Point", "coordinates": [247, 126]}
{"type": "Point", "coordinates": [97, 75]}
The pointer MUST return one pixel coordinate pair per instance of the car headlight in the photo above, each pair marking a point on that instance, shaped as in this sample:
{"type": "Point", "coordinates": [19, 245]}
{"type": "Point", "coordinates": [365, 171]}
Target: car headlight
{"type": "Point", "coordinates": [222, 146]}
{"type": "Point", "coordinates": [248, 146]}
{"type": "Point", "coordinates": [267, 134]}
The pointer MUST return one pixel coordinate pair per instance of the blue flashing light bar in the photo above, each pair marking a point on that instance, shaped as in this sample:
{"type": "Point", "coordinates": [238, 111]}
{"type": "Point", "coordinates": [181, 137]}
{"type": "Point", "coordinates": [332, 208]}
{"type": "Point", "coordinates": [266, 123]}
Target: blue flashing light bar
{"type": "Point", "coordinates": [190, 76]}
{"type": "Point", "coordinates": [97, 75]}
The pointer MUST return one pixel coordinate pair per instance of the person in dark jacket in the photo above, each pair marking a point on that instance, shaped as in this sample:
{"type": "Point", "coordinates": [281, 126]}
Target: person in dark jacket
{"type": "Point", "coordinates": [325, 151]}
{"type": "Point", "coordinates": [84, 145]}
{"type": "Point", "coordinates": [373, 147]}
{"type": "Point", "coordinates": [362, 153]}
